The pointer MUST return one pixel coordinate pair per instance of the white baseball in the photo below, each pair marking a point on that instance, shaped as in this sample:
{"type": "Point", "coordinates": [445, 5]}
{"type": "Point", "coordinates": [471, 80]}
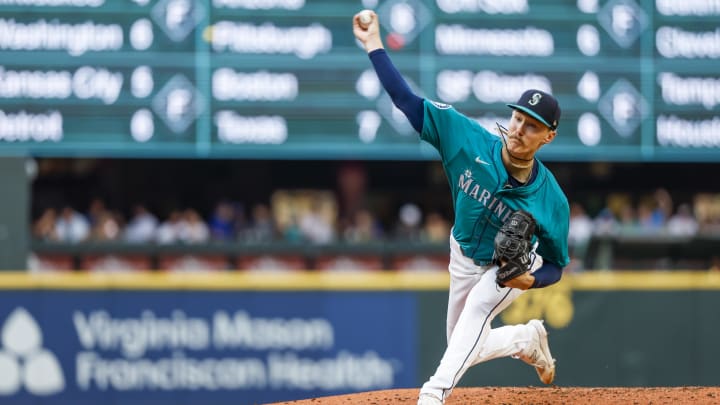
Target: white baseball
{"type": "Point", "coordinates": [365, 18]}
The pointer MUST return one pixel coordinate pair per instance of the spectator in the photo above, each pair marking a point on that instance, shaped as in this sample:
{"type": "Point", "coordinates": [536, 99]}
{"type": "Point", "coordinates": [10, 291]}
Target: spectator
{"type": "Point", "coordinates": [436, 228]}
{"type": "Point", "coordinates": [72, 226]}
{"type": "Point", "coordinates": [142, 226]}
{"type": "Point", "coordinates": [169, 230]}
{"type": "Point", "coordinates": [291, 230]}
{"type": "Point", "coordinates": [262, 225]}
{"type": "Point", "coordinates": [315, 226]}
{"type": "Point", "coordinates": [106, 227]}
{"type": "Point", "coordinates": [628, 223]}
{"type": "Point", "coordinates": [96, 209]}
{"type": "Point", "coordinates": [44, 227]}
{"type": "Point", "coordinates": [223, 221]}
{"type": "Point", "coordinates": [193, 229]}
{"type": "Point", "coordinates": [650, 220]}
{"type": "Point", "coordinates": [662, 207]}
{"type": "Point", "coordinates": [707, 212]}
{"type": "Point", "coordinates": [352, 182]}
{"type": "Point", "coordinates": [580, 232]}
{"type": "Point", "coordinates": [581, 226]}
{"type": "Point", "coordinates": [363, 228]}
{"type": "Point", "coordinates": [683, 223]}
{"type": "Point", "coordinates": [408, 225]}
{"type": "Point", "coordinates": [605, 223]}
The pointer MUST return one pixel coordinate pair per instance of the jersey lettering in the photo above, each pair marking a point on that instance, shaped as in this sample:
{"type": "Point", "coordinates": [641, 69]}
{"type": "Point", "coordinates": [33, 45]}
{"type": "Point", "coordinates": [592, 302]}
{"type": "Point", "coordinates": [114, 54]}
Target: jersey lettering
{"type": "Point", "coordinates": [473, 190]}
{"type": "Point", "coordinates": [484, 197]}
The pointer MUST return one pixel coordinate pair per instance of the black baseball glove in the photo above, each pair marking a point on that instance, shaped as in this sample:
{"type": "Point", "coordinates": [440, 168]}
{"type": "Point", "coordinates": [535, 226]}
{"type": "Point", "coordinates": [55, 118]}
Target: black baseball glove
{"type": "Point", "coordinates": [512, 246]}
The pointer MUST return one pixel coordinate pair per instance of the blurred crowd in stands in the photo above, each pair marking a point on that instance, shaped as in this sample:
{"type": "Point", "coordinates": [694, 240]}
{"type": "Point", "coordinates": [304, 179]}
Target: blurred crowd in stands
{"type": "Point", "coordinates": [305, 216]}
{"type": "Point", "coordinates": [650, 217]}
{"type": "Point", "coordinates": [312, 216]}
{"type": "Point", "coordinates": [350, 213]}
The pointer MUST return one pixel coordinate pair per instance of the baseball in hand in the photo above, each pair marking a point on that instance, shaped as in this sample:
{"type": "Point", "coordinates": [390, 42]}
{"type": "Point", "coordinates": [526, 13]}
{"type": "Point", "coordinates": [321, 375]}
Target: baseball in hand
{"type": "Point", "coordinates": [365, 18]}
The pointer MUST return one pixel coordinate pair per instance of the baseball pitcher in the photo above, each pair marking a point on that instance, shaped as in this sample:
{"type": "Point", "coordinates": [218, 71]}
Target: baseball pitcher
{"type": "Point", "coordinates": [511, 220]}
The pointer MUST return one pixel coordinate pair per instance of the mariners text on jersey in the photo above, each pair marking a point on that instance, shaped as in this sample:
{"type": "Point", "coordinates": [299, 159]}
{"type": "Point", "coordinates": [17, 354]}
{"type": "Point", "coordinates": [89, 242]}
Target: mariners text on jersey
{"type": "Point", "coordinates": [482, 195]}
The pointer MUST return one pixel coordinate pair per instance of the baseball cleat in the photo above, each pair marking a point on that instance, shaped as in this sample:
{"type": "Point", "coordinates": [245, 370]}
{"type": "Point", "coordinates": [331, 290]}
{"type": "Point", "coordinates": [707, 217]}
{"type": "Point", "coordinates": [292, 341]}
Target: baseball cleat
{"type": "Point", "coordinates": [429, 399]}
{"type": "Point", "coordinates": [538, 353]}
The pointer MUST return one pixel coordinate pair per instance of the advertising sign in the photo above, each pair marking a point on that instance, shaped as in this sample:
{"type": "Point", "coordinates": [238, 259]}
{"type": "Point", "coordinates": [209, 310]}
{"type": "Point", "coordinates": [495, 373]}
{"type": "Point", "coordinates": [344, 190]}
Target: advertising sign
{"type": "Point", "coordinates": [176, 347]}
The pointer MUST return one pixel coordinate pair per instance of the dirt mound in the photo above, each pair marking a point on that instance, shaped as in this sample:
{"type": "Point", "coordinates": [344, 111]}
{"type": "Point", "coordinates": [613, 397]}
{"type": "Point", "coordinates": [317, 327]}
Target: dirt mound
{"type": "Point", "coordinates": [534, 396]}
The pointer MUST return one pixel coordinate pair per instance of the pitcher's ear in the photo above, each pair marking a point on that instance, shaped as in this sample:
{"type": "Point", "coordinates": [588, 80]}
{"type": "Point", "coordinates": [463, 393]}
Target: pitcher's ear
{"type": "Point", "coordinates": [549, 137]}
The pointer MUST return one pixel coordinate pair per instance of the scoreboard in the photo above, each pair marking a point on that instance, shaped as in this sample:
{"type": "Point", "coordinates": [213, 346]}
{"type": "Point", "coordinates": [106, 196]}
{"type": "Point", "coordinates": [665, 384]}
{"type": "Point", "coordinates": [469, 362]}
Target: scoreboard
{"type": "Point", "coordinates": [638, 80]}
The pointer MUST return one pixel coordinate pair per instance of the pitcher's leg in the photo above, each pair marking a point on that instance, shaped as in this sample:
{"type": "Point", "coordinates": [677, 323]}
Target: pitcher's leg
{"type": "Point", "coordinates": [484, 302]}
{"type": "Point", "coordinates": [505, 341]}
{"type": "Point", "coordinates": [464, 274]}
{"type": "Point", "coordinates": [461, 283]}
{"type": "Point", "coordinates": [510, 340]}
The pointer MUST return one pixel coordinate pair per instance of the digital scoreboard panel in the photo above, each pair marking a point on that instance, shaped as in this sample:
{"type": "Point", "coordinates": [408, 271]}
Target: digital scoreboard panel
{"type": "Point", "coordinates": [638, 80]}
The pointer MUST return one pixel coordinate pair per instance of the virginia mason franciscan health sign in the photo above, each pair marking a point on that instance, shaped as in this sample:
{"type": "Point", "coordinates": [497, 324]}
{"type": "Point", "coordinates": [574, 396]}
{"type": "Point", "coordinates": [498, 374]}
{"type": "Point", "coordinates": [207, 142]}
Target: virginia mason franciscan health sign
{"type": "Point", "coordinates": [121, 347]}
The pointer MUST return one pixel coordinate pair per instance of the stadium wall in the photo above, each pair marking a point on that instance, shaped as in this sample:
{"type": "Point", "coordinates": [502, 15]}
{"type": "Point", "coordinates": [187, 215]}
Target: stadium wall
{"type": "Point", "coordinates": [247, 338]}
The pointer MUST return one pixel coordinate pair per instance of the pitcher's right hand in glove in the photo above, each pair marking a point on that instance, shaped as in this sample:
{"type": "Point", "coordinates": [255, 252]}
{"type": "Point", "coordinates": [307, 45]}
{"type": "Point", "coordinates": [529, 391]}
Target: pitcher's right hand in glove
{"type": "Point", "coordinates": [512, 247]}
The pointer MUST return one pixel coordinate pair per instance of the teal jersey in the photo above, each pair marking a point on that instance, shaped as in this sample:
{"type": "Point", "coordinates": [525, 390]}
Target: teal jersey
{"type": "Point", "coordinates": [471, 156]}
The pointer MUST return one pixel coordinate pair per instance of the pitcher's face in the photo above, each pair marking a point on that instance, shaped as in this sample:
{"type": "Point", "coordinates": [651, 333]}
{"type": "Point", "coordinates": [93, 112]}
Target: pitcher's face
{"type": "Point", "coordinates": [526, 134]}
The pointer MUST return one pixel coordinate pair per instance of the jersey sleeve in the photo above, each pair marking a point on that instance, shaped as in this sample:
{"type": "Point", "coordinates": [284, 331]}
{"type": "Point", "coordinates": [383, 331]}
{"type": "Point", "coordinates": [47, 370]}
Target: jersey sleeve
{"type": "Point", "coordinates": [447, 129]}
{"type": "Point", "coordinates": [396, 86]}
{"type": "Point", "coordinates": [553, 245]}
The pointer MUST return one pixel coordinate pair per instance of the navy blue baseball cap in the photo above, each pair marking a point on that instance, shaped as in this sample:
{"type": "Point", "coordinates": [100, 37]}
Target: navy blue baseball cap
{"type": "Point", "coordinates": [540, 105]}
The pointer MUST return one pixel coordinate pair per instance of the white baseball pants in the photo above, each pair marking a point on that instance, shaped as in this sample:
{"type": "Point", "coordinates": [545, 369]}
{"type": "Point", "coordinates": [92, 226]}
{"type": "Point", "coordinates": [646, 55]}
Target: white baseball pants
{"type": "Point", "coordinates": [474, 301]}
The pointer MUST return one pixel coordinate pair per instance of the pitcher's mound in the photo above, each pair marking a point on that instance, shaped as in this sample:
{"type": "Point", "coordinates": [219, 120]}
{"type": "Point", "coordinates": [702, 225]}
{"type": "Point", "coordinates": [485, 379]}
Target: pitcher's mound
{"type": "Point", "coordinates": [534, 396]}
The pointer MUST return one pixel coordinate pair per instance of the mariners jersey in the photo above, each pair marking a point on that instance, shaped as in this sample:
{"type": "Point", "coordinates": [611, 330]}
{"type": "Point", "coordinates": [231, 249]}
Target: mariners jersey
{"type": "Point", "coordinates": [471, 156]}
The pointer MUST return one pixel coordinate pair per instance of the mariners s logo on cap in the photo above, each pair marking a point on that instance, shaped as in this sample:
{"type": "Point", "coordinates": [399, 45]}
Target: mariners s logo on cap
{"type": "Point", "coordinates": [535, 99]}
{"type": "Point", "coordinates": [540, 105]}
